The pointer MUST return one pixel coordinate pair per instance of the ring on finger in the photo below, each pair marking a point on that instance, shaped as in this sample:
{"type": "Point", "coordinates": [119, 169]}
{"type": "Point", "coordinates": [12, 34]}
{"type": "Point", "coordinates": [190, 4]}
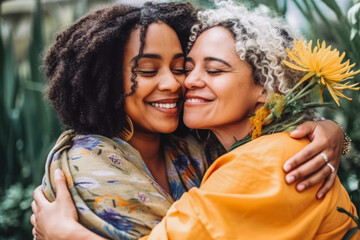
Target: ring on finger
{"type": "Point", "coordinates": [331, 167]}
{"type": "Point", "coordinates": [325, 157]}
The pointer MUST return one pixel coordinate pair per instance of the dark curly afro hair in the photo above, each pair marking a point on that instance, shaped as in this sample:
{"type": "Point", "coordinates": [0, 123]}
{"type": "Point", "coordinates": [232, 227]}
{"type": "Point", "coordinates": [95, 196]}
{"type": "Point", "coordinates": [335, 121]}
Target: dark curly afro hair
{"type": "Point", "coordinates": [84, 64]}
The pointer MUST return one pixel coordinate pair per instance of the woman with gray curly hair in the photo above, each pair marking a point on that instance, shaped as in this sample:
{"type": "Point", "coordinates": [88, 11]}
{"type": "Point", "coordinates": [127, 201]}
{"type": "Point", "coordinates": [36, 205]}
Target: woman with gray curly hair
{"type": "Point", "coordinates": [260, 40]}
{"type": "Point", "coordinates": [235, 65]}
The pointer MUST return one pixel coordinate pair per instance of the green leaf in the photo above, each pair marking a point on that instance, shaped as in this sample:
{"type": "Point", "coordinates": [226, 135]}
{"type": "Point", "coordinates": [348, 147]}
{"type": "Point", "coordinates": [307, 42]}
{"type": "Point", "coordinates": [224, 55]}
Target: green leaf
{"type": "Point", "coordinates": [332, 4]}
{"type": "Point", "coordinates": [342, 210]}
{"type": "Point", "coordinates": [37, 43]}
{"type": "Point", "coordinates": [350, 233]}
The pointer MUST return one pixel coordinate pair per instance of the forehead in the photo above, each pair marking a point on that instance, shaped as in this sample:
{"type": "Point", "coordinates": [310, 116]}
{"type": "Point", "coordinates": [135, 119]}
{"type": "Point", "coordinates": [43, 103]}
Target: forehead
{"type": "Point", "coordinates": [159, 37]}
{"type": "Point", "coordinates": [216, 40]}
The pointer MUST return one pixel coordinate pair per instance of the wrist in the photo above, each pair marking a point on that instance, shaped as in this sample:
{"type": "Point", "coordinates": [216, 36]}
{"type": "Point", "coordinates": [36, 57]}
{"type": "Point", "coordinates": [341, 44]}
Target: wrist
{"type": "Point", "coordinates": [76, 231]}
{"type": "Point", "coordinates": [346, 147]}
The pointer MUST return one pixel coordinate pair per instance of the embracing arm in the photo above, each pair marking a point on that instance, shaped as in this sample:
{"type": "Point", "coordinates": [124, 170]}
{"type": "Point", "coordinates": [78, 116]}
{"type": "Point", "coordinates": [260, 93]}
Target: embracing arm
{"type": "Point", "coordinates": [308, 166]}
{"type": "Point", "coordinates": [57, 220]}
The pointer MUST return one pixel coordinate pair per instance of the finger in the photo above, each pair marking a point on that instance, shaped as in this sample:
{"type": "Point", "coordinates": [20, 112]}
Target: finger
{"type": "Point", "coordinates": [34, 207]}
{"type": "Point", "coordinates": [303, 130]}
{"type": "Point", "coordinates": [314, 179]}
{"type": "Point", "coordinates": [307, 153]}
{"type": "Point", "coordinates": [61, 186]}
{"type": "Point", "coordinates": [325, 188]}
{"type": "Point", "coordinates": [39, 197]}
{"type": "Point", "coordinates": [33, 220]}
{"type": "Point", "coordinates": [305, 170]}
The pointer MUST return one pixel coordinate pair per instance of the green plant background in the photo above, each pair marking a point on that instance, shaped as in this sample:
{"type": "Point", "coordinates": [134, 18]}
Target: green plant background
{"type": "Point", "coordinates": [29, 127]}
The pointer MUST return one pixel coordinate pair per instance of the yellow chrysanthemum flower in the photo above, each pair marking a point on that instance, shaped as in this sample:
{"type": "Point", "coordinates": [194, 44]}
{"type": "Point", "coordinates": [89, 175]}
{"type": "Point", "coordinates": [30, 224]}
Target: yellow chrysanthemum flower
{"type": "Point", "coordinates": [324, 64]}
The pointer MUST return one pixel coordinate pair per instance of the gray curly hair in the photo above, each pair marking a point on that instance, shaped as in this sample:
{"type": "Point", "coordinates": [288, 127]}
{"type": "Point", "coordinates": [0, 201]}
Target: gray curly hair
{"type": "Point", "coordinates": [261, 41]}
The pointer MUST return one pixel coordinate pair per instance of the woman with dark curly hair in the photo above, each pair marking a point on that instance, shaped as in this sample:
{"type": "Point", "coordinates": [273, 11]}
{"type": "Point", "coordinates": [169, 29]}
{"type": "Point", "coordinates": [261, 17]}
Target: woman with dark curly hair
{"type": "Point", "coordinates": [116, 94]}
{"type": "Point", "coordinates": [116, 82]}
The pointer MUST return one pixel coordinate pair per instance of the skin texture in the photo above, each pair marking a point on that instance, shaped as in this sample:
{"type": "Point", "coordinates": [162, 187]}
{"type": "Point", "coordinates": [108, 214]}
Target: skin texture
{"type": "Point", "coordinates": [159, 73]}
{"type": "Point", "coordinates": [146, 140]}
{"type": "Point", "coordinates": [296, 168]}
{"type": "Point", "coordinates": [219, 82]}
{"type": "Point", "coordinates": [155, 105]}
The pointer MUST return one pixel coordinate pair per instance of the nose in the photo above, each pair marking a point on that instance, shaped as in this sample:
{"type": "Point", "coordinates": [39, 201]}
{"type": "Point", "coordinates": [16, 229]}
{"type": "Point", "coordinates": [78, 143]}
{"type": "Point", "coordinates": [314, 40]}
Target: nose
{"type": "Point", "coordinates": [169, 83]}
{"type": "Point", "coordinates": [194, 80]}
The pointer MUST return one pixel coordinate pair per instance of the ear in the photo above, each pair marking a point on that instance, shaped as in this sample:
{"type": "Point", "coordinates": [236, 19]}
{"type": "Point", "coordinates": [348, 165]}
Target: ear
{"type": "Point", "coordinates": [262, 96]}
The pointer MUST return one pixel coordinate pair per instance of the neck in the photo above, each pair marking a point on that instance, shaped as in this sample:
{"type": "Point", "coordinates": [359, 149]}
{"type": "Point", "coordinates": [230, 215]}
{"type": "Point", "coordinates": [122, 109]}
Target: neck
{"type": "Point", "coordinates": [148, 145]}
{"type": "Point", "coordinates": [227, 133]}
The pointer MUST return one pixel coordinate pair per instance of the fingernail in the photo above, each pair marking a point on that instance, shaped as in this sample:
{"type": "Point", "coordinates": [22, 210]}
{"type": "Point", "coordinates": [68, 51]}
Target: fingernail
{"type": "Point", "coordinates": [58, 174]}
{"type": "Point", "coordinates": [319, 196]}
{"type": "Point", "coordinates": [295, 131]}
{"type": "Point", "coordinates": [300, 187]}
{"type": "Point", "coordinates": [287, 167]}
{"type": "Point", "coordinates": [290, 178]}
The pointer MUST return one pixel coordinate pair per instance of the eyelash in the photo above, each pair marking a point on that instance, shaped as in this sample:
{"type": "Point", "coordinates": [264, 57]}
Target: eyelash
{"type": "Point", "coordinates": [187, 71]}
{"type": "Point", "coordinates": [177, 71]}
{"type": "Point", "coordinates": [208, 71]}
{"type": "Point", "coordinates": [146, 73]}
{"type": "Point", "coordinates": [153, 73]}
{"type": "Point", "coordinates": [213, 72]}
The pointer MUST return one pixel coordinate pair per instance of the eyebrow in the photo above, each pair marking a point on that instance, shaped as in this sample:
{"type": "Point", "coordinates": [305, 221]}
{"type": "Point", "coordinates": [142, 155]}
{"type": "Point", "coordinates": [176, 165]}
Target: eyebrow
{"type": "Point", "coordinates": [179, 55]}
{"type": "Point", "coordinates": [217, 59]}
{"type": "Point", "coordinates": [189, 59]}
{"type": "Point", "coordinates": [156, 56]}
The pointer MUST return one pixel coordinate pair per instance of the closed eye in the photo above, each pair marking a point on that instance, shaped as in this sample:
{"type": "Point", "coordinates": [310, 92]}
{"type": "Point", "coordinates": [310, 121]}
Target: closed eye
{"type": "Point", "coordinates": [146, 73]}
{"type": "Point", "coordinates": [178, 71]}
{"type": "Point", "coordinates": [214, 71]}
{"type": "Point", "coordinates": [187, 71]}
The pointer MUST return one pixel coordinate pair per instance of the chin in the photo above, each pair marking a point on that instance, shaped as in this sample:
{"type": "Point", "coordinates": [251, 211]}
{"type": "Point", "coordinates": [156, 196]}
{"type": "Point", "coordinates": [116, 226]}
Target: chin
{"type": "Point", "coordinates": [168, 128]}
{"type": "Point", "coordinates": [194, 124]}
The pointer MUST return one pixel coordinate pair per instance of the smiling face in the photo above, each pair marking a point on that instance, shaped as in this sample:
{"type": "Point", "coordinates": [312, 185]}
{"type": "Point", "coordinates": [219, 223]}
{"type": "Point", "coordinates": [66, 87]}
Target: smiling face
{"type": "Point", "coordinates": [154, 107]}
{"type": "Point", "coordinates": [220, 88]}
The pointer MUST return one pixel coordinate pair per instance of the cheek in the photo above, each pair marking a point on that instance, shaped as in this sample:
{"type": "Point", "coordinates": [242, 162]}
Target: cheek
{"type": "Point", "coordinates": [181, 80]}
{"type": "Point", "coordinates": [127, 81]}
{"type": "Point", "coordinates": [228, 92]}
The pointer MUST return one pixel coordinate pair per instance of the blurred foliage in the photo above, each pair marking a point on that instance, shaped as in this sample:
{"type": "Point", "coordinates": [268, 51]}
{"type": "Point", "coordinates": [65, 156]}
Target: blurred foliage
{"type": "Point", "coordinates": [29, 127]}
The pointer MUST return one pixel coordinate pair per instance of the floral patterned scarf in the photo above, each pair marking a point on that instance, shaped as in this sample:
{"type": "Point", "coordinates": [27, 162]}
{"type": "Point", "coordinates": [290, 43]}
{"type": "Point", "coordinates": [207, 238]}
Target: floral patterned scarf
{"type": "Point", "coordinates": [113, 190]}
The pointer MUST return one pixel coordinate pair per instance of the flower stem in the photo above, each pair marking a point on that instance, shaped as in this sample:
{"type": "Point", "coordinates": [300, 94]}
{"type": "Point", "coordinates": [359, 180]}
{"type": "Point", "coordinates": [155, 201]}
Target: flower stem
{"type": "Point", "coordinates": [292, 90]}
{"type": "Point", "coordinates": [304, 91]}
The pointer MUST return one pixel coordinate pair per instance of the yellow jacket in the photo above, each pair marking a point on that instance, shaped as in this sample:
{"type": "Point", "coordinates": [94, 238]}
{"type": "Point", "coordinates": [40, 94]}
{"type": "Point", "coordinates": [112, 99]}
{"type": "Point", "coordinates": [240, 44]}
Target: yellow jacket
{"type": "Point", "coordinates": [244, 196]}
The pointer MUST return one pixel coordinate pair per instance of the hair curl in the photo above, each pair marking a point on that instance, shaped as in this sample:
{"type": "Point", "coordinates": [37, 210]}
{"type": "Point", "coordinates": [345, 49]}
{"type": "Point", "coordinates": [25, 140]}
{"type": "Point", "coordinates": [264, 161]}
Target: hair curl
{"type": "Point", "coordinates": [84, 64]}
{"type": "Point", "coordinates": [261, 41]}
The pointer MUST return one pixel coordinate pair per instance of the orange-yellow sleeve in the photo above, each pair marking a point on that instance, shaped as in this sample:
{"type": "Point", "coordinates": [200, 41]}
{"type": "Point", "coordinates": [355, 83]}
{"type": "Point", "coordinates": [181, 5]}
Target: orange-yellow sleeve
{"type": "Point", "coordinates": [244, 196]}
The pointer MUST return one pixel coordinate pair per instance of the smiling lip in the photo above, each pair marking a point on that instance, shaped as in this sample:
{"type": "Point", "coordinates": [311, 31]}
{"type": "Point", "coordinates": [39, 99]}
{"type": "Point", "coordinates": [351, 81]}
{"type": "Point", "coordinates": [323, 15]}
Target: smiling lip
{"type": "Point", "coordinates": [169, 106]}
{"type": "Point", "coordinates": [192, 100]}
